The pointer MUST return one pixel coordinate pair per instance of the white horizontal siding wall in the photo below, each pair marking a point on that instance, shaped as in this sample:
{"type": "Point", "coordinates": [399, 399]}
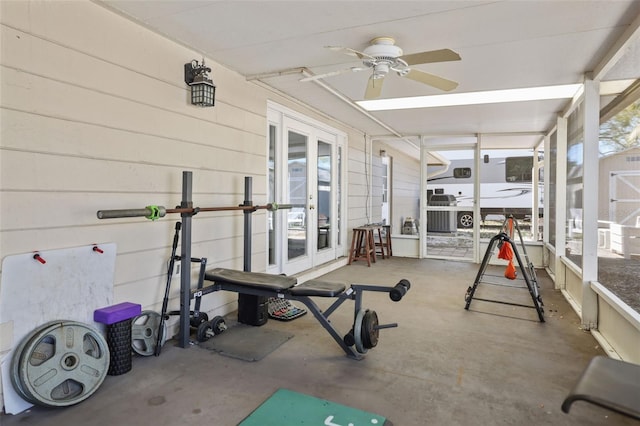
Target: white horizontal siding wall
{"type": "Point", "coordinates": [404, 181]}
{"type": "Point", "coordinates": [95, 115]}
{"type": "Point", "coordinates": [406, 189]}
{"type": "Point", "coordinates": [359, 175]}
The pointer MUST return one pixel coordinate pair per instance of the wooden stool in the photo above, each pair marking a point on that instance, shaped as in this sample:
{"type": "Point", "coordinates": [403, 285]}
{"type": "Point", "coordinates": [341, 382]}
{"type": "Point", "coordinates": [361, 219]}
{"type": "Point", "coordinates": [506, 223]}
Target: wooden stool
{"type": "Point", "coordinates": [362, 245]}
{"type": "Point", "coordinates": [383, 245]}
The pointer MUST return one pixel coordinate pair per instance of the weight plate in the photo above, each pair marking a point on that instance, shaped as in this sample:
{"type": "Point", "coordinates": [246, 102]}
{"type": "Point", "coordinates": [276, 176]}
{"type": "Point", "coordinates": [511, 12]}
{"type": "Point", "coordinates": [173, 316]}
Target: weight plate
{"type": "Point", "coordinates": [357, 332]}
{"type": "Point", "coordinates": [405, 283]}
{"type": "Point", "coordinates": [349, 339]}
{"type": "Point", "coordinates": [63, 364]}
{"type": "Point", "coordinates": [204, 332]}
{"type": "Point", "coordinates": [15, 361]}
{"type": "Point", "coordinates": [218, 325]}
{"type": "Point", "coordinates": [369, 329]}
{"type": "Point", "coordinates": [198, 318]}
{"type": "Point", "coordinates": [144, 333]}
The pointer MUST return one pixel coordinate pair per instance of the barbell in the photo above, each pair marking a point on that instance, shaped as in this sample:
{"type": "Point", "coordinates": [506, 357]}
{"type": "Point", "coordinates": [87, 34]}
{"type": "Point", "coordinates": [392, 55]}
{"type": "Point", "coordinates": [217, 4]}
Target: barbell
{"type": "Point", "coordinates": [155, 212]}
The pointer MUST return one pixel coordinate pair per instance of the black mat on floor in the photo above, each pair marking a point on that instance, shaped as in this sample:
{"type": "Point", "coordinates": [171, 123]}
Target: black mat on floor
{"type": "Point", "coordinates": [246, 342]}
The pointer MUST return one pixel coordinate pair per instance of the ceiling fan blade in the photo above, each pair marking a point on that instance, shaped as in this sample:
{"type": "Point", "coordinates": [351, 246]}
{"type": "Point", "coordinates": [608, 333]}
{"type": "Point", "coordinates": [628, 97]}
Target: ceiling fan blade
{"type": "Point", "coordinates": [442, 55]}
{"type": "Point", "coordinates": [332, 73]}
{"type": "Point", "coordinates": [432, 80]}
{"type": "Point", "coordinates": [374, 88]}
{"type": "Point", "coordinates": [349, 51]}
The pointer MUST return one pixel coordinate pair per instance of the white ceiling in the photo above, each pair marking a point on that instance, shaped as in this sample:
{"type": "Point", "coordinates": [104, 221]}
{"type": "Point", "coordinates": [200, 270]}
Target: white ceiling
{"type": "Point", "coordinates": [503, 45]}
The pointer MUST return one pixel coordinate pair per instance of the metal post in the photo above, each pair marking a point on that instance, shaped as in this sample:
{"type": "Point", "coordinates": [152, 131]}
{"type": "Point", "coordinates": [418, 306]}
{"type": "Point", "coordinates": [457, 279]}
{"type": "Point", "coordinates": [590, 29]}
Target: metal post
{"type": "Point", "coordinates": [185, 261]}
{"type": "Point", "coordinates": [247, 223]}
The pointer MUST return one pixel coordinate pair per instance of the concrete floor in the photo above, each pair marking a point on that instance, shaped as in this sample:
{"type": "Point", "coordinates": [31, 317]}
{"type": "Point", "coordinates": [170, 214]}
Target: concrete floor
{"type": "Point", "coordinates": [492, 365]}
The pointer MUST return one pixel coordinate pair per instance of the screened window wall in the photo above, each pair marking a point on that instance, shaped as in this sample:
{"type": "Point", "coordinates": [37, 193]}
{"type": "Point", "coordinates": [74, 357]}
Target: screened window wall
{"type": "Point", "coordinates": [619, 205]}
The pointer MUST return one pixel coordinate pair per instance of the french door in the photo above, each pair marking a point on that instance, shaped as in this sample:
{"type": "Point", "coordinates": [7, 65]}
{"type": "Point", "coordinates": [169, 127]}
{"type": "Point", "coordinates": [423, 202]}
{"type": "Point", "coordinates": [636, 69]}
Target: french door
{"type": "Point", "coordinates": [304, 169]}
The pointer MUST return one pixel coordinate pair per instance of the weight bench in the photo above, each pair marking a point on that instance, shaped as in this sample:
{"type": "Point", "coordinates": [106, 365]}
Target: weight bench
{"type": "Point", "coordinates": [363, 335]}
{"type": "Point", "coordinates": [609, 383]}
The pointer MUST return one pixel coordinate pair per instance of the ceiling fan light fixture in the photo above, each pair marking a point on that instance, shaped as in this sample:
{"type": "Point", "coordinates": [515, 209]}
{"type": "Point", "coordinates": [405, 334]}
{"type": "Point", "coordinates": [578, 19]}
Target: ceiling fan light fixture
{"type": "Point", "coordinates": [382, 56]}
{"type": "Point", "coordinates": [380, 70]}
{"type": "Point", "coordinates": [383, 48]}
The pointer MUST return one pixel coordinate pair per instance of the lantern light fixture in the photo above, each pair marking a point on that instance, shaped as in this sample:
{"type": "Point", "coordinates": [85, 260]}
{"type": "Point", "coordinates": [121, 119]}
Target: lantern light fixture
{"type": "Point", "coordinates": [203, 91]}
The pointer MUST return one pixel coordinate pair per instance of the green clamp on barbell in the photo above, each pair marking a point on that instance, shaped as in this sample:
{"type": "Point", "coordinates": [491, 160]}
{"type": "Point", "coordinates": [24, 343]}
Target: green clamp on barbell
{"type": "Point", "coordinates": [155, 212]}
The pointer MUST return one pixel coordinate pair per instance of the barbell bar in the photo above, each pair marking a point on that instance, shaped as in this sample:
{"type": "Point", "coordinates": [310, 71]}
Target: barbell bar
{"type": "Point", "coordinates": [156, 212]}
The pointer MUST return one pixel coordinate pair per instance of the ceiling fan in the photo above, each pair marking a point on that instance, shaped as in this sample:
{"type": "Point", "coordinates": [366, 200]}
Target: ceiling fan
{"type": "Point", "coordinates": [382, 56]}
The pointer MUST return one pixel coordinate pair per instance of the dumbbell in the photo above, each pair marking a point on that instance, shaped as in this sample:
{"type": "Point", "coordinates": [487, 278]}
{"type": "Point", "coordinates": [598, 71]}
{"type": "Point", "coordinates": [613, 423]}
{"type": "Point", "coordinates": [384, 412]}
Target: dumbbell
{"type": "Point", "coordinates": [208, 329]}
{"type": "Point", "coordinates": [399, 290]}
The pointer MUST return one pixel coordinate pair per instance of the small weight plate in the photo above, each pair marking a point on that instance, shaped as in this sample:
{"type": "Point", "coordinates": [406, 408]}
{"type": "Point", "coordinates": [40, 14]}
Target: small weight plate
{"type": "Point", "coordinates": [218, 325]}
{"type": "Point", "coordinates": [144, 333]}
{"type": "Point", "coordinates": [198, 318]}
{"type": "Point", "coordinates": [349, 339]}
{"type": "Point", "coordinates": [204, 331]}
{"type": "Point", "coordinates": [357, 332]}
{"type": "Point", "coordinates": [64, 364]}
{"type": "Point", "coordinates": [405, 283]}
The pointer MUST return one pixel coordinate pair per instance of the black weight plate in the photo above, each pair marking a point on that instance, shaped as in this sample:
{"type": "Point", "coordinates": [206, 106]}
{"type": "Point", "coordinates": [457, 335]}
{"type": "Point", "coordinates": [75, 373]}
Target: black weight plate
{"type": "Point", "coordinates": [203, 332]}
{"type": "Point", "coordinates": [198, 318]}
{"type": "Point", "coordinates": [405, 283]}
{"type": "Point", "coordinates": [369, 329]}
{"type": "Point", "coordinates": [218, 325]}
{"type": "Point", "coordinates": [348, 338]}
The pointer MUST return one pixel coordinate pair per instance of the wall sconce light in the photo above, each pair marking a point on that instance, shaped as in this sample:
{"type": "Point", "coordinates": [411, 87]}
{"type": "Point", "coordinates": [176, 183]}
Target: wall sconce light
{"type": "Point", "coordinates": [203, 91]}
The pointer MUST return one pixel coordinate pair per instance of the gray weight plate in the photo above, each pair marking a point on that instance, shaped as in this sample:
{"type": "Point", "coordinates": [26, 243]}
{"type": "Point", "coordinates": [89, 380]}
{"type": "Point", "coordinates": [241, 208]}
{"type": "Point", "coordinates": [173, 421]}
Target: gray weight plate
{"type": "Point", "coordinates": [144, 333]}
{"type": "Point", "coordinates": [63, 364]}
{"type": "Point", "coordinates": [357, 332]}
{"type": "Point", "coordinates": [17, 354]}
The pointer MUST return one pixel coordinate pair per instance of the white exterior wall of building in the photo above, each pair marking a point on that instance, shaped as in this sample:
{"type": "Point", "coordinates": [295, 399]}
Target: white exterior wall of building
{"type": "Point", "coordinates": [96, 115]}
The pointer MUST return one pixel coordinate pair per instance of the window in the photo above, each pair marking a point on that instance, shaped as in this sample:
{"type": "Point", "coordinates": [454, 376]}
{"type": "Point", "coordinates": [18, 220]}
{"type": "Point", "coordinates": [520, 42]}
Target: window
{"type": "Point", "coordinates": [462, 172]}
{"type": "Point", "coordinates": [518, 169]}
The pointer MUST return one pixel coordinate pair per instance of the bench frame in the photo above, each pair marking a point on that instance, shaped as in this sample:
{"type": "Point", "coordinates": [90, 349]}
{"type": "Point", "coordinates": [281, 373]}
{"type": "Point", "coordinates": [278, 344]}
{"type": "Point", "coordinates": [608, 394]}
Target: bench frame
{"type": "Point", "coordinates": [353, 292]}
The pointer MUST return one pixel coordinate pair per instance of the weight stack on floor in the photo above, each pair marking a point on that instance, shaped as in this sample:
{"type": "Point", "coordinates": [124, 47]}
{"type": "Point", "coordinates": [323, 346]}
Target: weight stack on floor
{"type": "Point", "coordinates": [252, 310]}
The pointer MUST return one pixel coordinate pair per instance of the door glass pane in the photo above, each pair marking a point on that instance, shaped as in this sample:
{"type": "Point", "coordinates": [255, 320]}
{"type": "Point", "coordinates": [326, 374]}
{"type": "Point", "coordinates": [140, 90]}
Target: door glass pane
{"type": "Point", "coordinates": [324, 195]}
{"type": "Point", "coordinates": [297, 187]}
{"type": "Point", "coordinates": [339, 196]}
{"type": "Point", "coordinates": [386, 185]}
{"type": "Point", "coordinates": [271, 196]}
{"type": "Point", "coordinates": [450, 195]}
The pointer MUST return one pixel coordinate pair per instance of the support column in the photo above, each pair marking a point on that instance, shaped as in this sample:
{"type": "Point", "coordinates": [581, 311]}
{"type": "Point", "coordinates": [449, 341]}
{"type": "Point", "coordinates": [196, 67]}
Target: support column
{"type": "Point", "coordinates": [590, 202]}
{"type": "Point", "coordinates": [184, 330]}
{"type": "Point", "coordinates": [561, 201]}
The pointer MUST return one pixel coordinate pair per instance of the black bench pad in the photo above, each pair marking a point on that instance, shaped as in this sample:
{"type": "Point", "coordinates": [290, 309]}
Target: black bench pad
{"type": "Point", "coordinates": [251, 279]}
{"type": "Point", "coordinates": [318, 288]}
{"type": "Point", "coordinates": [609, 383]}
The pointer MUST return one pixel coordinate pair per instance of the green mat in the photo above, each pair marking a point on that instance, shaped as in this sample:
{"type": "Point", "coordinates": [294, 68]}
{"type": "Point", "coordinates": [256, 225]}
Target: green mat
{"type": "Point", "coordinates": [290, 408]}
